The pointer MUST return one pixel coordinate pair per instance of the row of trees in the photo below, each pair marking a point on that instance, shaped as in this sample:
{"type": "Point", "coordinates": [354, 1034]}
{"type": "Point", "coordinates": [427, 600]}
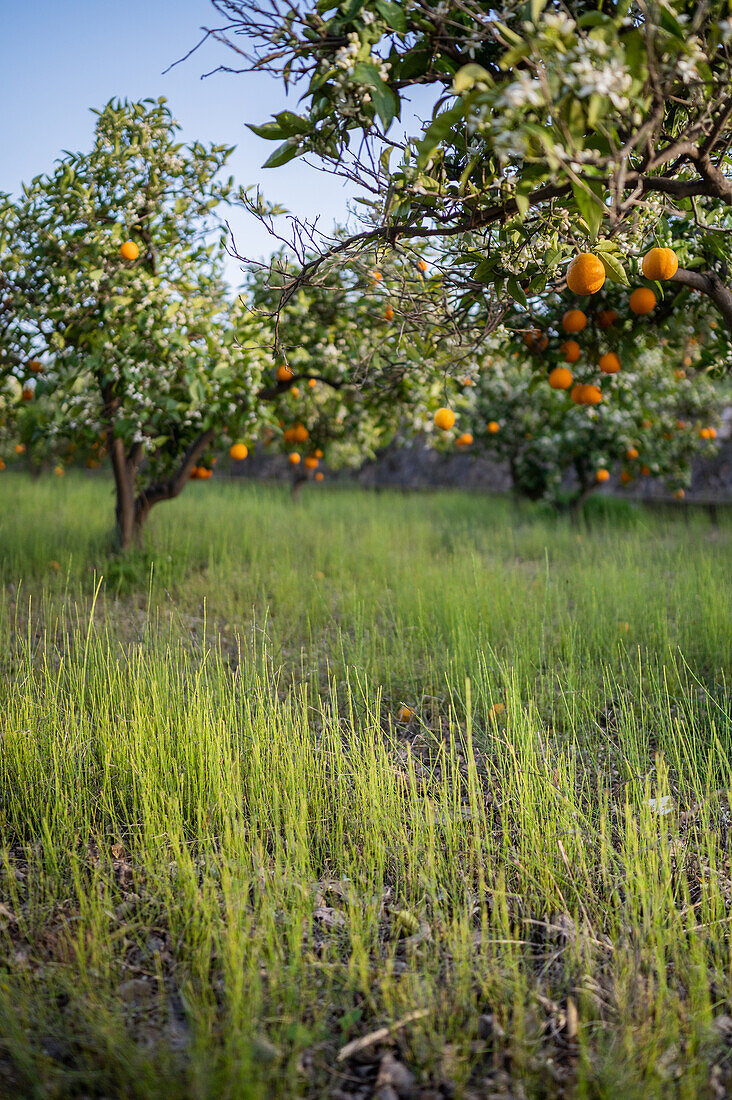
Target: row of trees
{"type": "Point", "coordinates": [119, 336]}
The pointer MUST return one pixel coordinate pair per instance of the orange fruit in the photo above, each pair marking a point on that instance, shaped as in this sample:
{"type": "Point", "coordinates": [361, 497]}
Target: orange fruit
{"type": "Point", "coordinates": [631, 453]}
{"type": "Point", "coordinates": [577, 393]}
{"type": "Point", "coordinates": [626, 477]}
{"type": "Point", "coordinates": [422, 265]}
{"type": "Point", "coordinates": [590, 395]}
{"type": "Point", "coordinates": [679, 494]}
{"type": "Point", "coordinates": [294, 391]}
{"type": "Point", "coordinates": [668, 435]}
{"type": "Point", "coordinates": [536, 340]}
{"type": "Point", "coordinates": [647, 423]}
{"type": "Point", "coordinates": [571, 351]}
{"type": "Point", "coordinates": [239, 452]}
{"type": "Point", "coordinates": [609, 363]}
{"type": "Point", "coordinates": [606, 318]}
{"type": "Point", "coordinates": [59, 471]}
{"type": "Point", "coordinates": [493, 427]}
{"type": "Point", "coordinates": [642, 300]}
{"type": "Point", "coordinates": [204, 473]}
{"type": "Point", "coordinates": [467, 381]}
{"type": "Point", "coordinates": [318, 453]}
{"type": "Point", "coordinates": [300, 433]}
{"type": "Point", "coordinates": [129, 251]}
{"type": "Point", "coordinates": [311, 462]}
{"type": "Point", "coordinates": [376, 276]}
{"type": "Point", "coordinates": [464, 440]}
{"type": "Point", "coordinates": [389, 313]}
{"type": "Point", "coordinates": [404, 715]}
{"type": "Point", "coordinates": [27, 394]}
{"type": "Point", "coordinates": [574, 320]}
{"type": "Point", "coordinates": [645, 470]}
{"type": "Point", "coordinates": [585, 274]}
{"type": "Point", "coordinates": [312, 382]}
{"type": "Point", "coordinates": [687, 360]}
{"type": "Point", "coordinates": [712, 433]}
{"type": "Point", "coordinates": [681, 424]}
{"type": "Point", "coordinates": [284, 374]}
{"type": "Point", "coordinates": [35, 366]}
{"type": "Point", "coordinates": [560, 378]}
{"type": "Point", "coordinates": [20, 448]}
{"type": "Point", "coordinates": [318, 476]}
{"type": "Point", "coordinates": [680, 373]}
{"type": "Point", "coordinates": [660, 264]}
{"type": "Point", "coordinates": [293, 458]}
{"type": "Point", "coordinates": [444, 419]}
{"type": "Point", "coordinates": [2, 464]}
{"type": "Point", "coordinates": [602, 475]}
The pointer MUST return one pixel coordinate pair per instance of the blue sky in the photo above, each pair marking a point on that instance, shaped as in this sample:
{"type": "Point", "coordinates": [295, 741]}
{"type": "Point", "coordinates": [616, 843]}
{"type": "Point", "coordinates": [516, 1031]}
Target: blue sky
{"type": "Point", "coordinates": [58, 58]}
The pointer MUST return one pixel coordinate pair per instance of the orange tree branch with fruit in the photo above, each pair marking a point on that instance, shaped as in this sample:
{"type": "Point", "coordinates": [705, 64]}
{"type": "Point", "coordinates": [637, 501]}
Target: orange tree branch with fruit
{"type": "Point", "coordinates": [548, 131]}
{"type": "Point", "coordinates": [593, 392]}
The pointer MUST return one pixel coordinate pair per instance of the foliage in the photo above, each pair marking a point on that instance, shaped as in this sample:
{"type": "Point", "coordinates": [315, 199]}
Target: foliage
{"type": "Point", "coordinates": [547, 129]}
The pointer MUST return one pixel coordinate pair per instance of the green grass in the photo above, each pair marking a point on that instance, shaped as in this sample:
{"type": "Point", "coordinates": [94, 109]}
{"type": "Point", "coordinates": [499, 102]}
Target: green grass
{"type": "Point", "coordinates": [223, 859]}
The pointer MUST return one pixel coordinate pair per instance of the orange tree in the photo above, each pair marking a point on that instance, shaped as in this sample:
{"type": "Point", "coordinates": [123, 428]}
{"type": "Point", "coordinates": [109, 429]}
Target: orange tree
{"type": "Point", "coordinates": [582, 395]}
{"type": "Point", "coordinates": [549, 129]}
{"type": "Point", "coordinates": [119, 331]}
{"type": "Point", "coordinates": [355, 366]}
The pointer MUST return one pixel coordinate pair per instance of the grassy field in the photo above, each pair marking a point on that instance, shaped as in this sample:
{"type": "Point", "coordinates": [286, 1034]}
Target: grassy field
{"type": "Point", "coordinates": [228, 870]}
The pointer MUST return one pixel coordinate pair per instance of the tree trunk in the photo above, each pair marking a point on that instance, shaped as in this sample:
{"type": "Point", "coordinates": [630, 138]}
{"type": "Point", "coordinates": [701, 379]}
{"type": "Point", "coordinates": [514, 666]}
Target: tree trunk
{"type": "Point", "coordinates": [298, 480]}
{"type": "Point", "coordinates": [124, 484]}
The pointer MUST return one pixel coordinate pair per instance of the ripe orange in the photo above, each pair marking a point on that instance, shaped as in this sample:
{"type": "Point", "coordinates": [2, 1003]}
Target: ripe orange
{"type": "Point", "coordinates": [586, 394]}
{"type": "Point", "coordinates": [35, 366]}
{"type": "Point", "coordinates": [2, 464]}
{"type": "Point", "coordinates": [585, 274]}
{"type": "Point", "coordinates": [536, 340]}
{"type": "Point", "coordinates": [204, 473]}
{"type": "Point", "coordinates": [647, 423]}
{"type": "Point", "coordinates": [680, 372]}
{"type": "Point", "coordinates": [681, 424]}
{"type": "Point", "coordinates": [389, 313]}
{"type": "Point", "coordinates": [318, 453]}
{"type": "Point", "coordinates": [129, 251]}
{"type": "Point", "coordinates": [687, 361]}
{"type": "Point", "coordinates": [376, 276]}
{"type": "Point", "coordinates": [318, 476]}
{"type": "Point", "coordinates": [493, 427]}
{"type": "Point", "coordinates": [660, 264]}
{"type": "Point", "coordinates": [679, 494]}
{"type": "Point", "coordinates": [284, 374]}
{"type": "Point", "coordinates": [577, 393]}
{"type": "Point", "coordinates": [404, 715]}
{"type": "Point", "coordinates": [574, 320]}
{"type": "Point", "coordinates": [606, 318]}
{"type": "Point", "coordinates": [645, 470]}
{"type": "Point", "coordinates": [293, 458]}
{"type": "Point", "coordinates": [602, 475]}
{"type": "Point", "coordinates": [560, 378]}
{"type": "Point", "coordinates": [444, 419]}
{"type": "Point", "coordinates": [20, 448]}
{"type": "Point", "coordinates": [712, 433]}
{"type": "Point", "coordinates": [27, 394]}
{"type": "Point", "coordinates": [631, 452]}
{"type": "Point", "coordinates": [642, 300]}
{"type": "Point", "coordinates": [571, 351]}
{"type": "Point", "coordinates": [59, 471]}
{"type": "Point", "coordinates": [467, 381]}
{"type": "Point", "coordinates": [311, 462]}
{"type": "Point", "coordinates": [626, 477]}
{"type": "Point", "coordinates": [239, 452]}
{"type": "Point", "coordinates": [422, 265]}
{"type": "Point", "coordinates": [294, 391]}
{"type": "Point", "coordinates": [300, 433]}
{"type": "Point", "coordinates": [609, 363]}
{"type": "Point", "coordinates": [464, 440]}
{"type": "Point", "coordinates": [312, 382]}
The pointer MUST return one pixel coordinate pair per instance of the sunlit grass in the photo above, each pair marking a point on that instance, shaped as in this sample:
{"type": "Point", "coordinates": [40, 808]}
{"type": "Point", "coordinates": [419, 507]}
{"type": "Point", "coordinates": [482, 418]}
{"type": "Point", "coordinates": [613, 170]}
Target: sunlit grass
{"type": "Point", "coordinates": [205, 793]}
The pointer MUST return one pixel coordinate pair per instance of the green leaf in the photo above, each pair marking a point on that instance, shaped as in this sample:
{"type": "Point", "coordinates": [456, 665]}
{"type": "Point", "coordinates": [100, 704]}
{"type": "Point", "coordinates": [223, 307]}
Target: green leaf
{"type": "Point", "coordinates": [468, 76]}
{"type": "Point", "coordinates": [589, 199]}
{"type": "Point", "coordinates": [287, 151]}
{"type": "Point", "coordinates": [393, 14]}
{"type": "Point", "coordinates": [516, 292]}
{"type": "Point", "coordinates": [270, 131]}
{"type": "Point", "coordinates": [385, 102]}
{"type": "Point", "coordinates": [522, 203]}
{"type": "Point", "coordinates": [614, 269]}
{"type": "Point", "coordinates": [291, 124]}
